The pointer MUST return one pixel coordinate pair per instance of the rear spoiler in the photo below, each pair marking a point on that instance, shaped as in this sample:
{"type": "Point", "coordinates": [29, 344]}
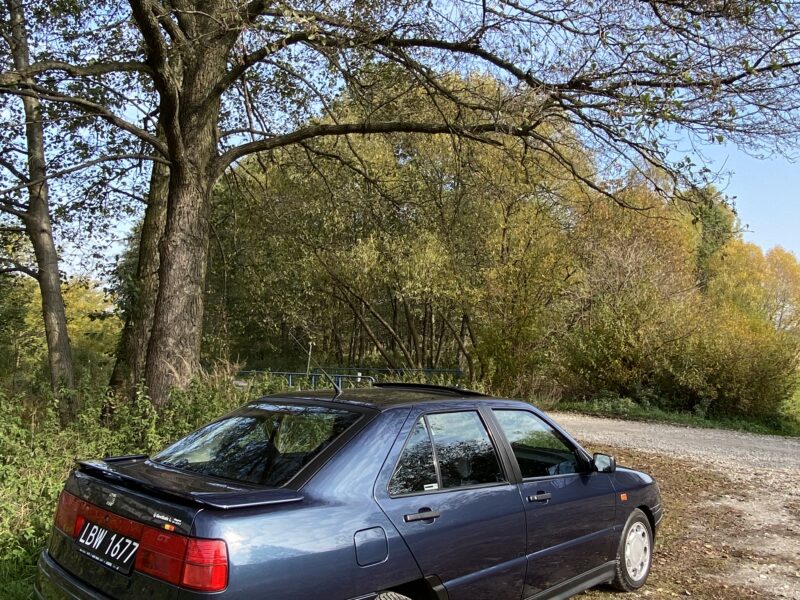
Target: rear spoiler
{"type": "Point", "coordinates": [231, 499]}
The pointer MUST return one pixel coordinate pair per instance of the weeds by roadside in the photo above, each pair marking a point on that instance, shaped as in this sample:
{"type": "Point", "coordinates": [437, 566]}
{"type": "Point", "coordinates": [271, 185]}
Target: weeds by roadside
{"type": "Point", "coordinates": [36, 455]}
{"type": "Point", "coordinates": [787, 424]}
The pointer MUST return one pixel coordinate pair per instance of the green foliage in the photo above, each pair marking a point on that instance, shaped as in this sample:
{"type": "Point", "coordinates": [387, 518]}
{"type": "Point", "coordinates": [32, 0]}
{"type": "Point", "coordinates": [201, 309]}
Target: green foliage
{"type": "Point", "coordinates": [717, 227]}
{"type": "Point", "coordinates": [92, 325]}
{"type": "Point", "coordinates": [466, 259]}
{"type": "Point", "coordinates": [36, 453]}
{"type": "Point", "coordinates": [644, 330]}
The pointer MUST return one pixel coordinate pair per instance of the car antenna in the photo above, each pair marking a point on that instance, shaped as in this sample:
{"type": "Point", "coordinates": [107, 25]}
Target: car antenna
{"type": "Point", "coordinates": [336, 386]}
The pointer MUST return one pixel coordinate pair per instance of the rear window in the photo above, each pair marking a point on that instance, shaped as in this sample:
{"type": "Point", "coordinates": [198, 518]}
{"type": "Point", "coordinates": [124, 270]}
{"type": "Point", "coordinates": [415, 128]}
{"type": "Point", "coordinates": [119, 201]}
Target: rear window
{"type": "Point", "coordinates": [265, 443]}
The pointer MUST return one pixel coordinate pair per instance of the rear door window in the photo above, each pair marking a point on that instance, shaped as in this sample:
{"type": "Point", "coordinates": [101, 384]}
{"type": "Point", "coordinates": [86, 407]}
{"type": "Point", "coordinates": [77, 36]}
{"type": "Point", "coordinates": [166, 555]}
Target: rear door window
{"type": "Point", "coordinates": [264, 443]}
{"type": "Point", "coordinates": [445, 451]}
{"type": "Point", "coordinates": [415, 471]}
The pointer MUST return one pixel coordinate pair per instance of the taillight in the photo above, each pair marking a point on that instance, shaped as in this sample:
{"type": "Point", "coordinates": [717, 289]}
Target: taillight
{"type": "Point", "coordinates": [161, 555]}
{"type": "Point", "coordinates": [191, 563]}
{"type": "Point", "coordinates": [67, 514]}
{"type": "Point", "coordinates": [206, 566]}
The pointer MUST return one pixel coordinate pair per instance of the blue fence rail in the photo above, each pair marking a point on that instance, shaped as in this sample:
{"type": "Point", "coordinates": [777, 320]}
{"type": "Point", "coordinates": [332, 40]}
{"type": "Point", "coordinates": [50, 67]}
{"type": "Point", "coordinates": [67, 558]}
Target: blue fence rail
{"type": "Point", "coordinates": [313, 379]}
{"type": "Point", "coordinates": [352, 375]}
{"type": "Point", "coordinates": [398, 372]}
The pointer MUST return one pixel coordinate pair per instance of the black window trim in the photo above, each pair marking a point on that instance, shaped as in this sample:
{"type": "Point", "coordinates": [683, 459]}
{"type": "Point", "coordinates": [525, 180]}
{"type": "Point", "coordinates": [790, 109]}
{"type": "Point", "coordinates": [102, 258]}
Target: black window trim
{"type": "Point", "coordinates": [580, 453]}
{"type": "Point", "coordinates": [510, 476]}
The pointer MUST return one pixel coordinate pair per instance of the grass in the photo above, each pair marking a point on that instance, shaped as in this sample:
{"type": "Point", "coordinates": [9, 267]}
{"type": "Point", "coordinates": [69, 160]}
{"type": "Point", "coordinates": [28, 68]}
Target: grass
{"type": "Point", "coordinates": [623, 408]}
{"type": "Point", "coordinates": [18, 581]}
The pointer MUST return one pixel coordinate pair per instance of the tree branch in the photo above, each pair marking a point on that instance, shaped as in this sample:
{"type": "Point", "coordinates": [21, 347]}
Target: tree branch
{"type": "Point", "coordinates": [13, 170]}
{"type": "Point", "coordinates": [17, 267]}
{"type": "Point", "coordinates": [17, 77]}
{"type": "Point", "coordinates": [158, 52]}
{"type": "Point", "coordinates": [90, 107]}
{"type": "Point", "coordinates": [257, 56]}
{"type": "Point", "coordinates": [324, 130]}
{"type": "Point", "coordinates": [171, 27]}
{"type": "Point", "coordinates": [85, 165]}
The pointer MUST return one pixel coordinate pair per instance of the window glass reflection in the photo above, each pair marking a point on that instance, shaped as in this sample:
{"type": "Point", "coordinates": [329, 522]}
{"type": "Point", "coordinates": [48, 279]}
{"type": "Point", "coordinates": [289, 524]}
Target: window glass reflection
{"type": "Point", "coordinates": [465, 453]}
{"type": "Point", "coordinates": [540, 450]}
{"type": "Point", "coordinates": [415, 470]}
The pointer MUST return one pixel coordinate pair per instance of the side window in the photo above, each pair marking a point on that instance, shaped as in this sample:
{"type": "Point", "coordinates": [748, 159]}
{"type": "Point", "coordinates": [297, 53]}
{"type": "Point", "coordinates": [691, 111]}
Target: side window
{"type": "Point", "coordinates": [464, 451]}
{"type": "Point", "coordinates": [540, 450]}
{"type": "Point", "coordinates": [415, 471]}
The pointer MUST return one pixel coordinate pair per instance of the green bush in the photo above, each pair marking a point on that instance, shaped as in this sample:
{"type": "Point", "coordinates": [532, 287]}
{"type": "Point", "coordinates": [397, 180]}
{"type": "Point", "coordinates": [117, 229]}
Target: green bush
{"type": "Point", "coordinates": [36, 454]}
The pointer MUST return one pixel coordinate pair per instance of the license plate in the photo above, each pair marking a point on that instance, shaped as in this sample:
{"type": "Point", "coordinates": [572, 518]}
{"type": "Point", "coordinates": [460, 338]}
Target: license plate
{"type": "Point", "coordinates": [112, 549]}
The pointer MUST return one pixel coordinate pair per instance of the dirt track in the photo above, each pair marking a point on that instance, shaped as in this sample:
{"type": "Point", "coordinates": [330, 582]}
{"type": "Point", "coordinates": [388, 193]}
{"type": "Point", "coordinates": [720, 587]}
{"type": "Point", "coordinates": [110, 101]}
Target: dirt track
{"type": "Point", "coordinates": [733, 500]}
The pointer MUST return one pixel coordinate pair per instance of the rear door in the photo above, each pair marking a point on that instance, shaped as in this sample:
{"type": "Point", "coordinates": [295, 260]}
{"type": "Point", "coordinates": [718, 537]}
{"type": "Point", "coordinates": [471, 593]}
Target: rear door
{"type": "Point", "coordinates": [445, 489]}
{"type": "Point", "coordinates": [570, 508]}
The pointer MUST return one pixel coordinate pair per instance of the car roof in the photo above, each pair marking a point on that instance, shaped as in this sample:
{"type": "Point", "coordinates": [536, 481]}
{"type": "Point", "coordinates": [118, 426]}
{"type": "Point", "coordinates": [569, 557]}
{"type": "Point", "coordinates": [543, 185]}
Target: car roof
{"type": "Point", "coordinates": [382, 396]}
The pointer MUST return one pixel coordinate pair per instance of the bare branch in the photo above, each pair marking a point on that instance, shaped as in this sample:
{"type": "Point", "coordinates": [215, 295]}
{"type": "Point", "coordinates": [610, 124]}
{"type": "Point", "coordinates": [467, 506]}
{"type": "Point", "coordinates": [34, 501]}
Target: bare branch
{"type": "Point", "coordinates": [86, 165]}
{"type": "Point", "coordinates": [17, 77]}
{"type": "Point", "coordinates": [326, 130]}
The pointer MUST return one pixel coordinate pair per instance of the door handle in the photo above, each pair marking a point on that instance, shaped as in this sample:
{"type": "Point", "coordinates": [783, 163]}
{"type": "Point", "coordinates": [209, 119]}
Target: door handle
{"type": "Point", "coordinates": [540, 497]}
{"type": "Point", "coordinates": [424, 514]}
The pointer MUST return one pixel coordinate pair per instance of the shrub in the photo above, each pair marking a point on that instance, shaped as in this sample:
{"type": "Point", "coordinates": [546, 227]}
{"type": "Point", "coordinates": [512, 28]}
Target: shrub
{"type": "Point", "coordinates": [36, 454]}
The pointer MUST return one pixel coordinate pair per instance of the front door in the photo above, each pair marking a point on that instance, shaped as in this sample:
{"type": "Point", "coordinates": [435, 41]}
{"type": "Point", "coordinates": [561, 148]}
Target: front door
{"type": "Point", "coordinates": [445, 490]}
{"type": "Point", "coordinates": [569, 507]}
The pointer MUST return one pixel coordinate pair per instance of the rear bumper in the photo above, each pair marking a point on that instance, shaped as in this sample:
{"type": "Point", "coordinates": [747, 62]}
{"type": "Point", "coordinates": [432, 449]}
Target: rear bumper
{"type": "Point", "coordinates": [54, 583]}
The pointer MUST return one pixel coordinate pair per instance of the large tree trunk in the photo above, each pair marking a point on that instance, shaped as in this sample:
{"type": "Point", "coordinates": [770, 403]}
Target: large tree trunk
{"type": "Point", "coordinates": [129, 367]}
{"type": "Point", "coordinates": [38, 226]}
{"type": "Point", "coordinates": [173, 354]}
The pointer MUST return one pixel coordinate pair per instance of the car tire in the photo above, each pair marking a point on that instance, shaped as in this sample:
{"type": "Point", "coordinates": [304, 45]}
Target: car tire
{"type": "Point", "coordinates": [391, 596]}
{"type": "Point", "coordinates": [634, 554]}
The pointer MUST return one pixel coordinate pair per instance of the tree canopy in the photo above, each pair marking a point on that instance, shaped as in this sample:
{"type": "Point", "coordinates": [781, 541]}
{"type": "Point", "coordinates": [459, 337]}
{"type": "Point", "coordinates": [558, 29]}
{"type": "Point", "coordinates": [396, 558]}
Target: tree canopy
{"type": "Point", "coordinates": [593, 90]}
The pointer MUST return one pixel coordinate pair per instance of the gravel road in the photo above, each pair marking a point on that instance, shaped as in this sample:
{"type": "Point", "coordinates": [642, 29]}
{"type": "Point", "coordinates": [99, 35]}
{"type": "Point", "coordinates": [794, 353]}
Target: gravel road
{"type": "Point", "coordinates": [726, 450]}
{"type": "Point", "coordinates": [761, 495]}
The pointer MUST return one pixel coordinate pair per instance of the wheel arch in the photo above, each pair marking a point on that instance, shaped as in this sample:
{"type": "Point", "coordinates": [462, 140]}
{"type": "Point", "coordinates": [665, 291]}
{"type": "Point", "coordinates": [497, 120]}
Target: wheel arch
{"type": "Point", "coordinates": [650, 518]}
{"type": "Point", "coordinates": [426, 588]}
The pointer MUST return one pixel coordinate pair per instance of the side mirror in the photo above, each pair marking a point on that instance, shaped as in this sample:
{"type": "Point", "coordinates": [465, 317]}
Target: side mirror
{"type": "Point", "coordinates": [603, 463]}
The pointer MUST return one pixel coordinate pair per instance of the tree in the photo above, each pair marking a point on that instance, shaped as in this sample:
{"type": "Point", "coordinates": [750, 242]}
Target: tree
{"type": "Point", "coordinates": [55, 183]}
{"type": "Point", "coordinates": [239, 77]}
{"type": "Point", "coordinates": [35, 217]}
{"type": "Point", "coordinates": [783, 289]}
{"type": "Point", "coordinates": [717, 225]}
{"type": "Point", "coordinates": [753, 350]}
{"type": "Point", "coordinates": [141, 287]}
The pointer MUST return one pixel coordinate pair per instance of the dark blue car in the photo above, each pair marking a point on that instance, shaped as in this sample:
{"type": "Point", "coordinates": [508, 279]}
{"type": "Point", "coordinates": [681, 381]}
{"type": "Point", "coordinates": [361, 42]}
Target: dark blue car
{"type": "Point", "coordinates": [383, 493]}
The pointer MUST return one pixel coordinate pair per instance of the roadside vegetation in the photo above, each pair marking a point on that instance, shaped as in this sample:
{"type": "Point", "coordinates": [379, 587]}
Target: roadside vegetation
{"type": "Point", "coordinates": [785, 423]}
{"type": "Point", "coordinates": [38, 453]}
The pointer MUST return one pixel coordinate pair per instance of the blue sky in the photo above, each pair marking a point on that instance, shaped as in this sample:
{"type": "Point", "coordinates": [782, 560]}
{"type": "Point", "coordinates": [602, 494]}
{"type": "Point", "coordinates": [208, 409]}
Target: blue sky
{"type": "Point", "coordinates": [767, 195]}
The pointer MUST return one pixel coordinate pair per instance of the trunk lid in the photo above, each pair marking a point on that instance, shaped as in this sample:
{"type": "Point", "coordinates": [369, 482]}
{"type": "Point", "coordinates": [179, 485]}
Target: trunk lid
{"type": "Point", "coordinates": [131, 496]}
{"type": "Point", "coordinates": [200, 490]}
